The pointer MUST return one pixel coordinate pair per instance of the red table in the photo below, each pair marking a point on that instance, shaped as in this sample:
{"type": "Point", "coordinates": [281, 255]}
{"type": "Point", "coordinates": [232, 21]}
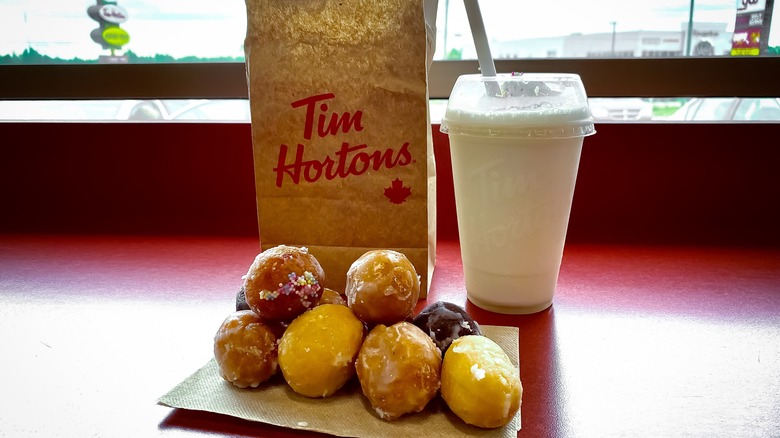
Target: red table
{"type": "Point", "coordinates": [641, 341]}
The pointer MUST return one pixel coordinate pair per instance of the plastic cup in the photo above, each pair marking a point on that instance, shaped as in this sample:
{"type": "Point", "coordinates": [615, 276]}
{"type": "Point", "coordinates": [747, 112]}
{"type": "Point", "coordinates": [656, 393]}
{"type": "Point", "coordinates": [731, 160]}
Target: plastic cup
{"type": "Point", "coordinates": [515, 143]}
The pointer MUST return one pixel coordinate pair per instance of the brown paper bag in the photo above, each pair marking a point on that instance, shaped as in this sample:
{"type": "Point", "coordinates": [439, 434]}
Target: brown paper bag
{"type": "Point", "coordinates": [342, 144]}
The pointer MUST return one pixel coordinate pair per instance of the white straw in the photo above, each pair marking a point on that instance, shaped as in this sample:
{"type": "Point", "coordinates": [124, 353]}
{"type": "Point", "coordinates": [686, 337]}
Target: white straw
{"type": "Point", "coordinates": [486, 64]}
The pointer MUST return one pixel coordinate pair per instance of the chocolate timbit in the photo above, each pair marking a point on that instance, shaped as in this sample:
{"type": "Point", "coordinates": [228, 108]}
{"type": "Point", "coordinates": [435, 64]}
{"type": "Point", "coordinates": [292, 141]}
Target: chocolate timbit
{"type": "Point", "coordinates": [444, 322]}
{"type": "Point", "coordinates": [241, 300]}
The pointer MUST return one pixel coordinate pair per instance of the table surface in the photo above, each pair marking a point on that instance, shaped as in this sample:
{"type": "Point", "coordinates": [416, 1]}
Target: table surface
{"type": "Point", "coordinates": [641, 340]}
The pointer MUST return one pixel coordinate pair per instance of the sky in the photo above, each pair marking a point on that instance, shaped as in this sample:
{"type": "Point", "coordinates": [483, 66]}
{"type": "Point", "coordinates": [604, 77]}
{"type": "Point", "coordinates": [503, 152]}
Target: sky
{"type": "Point", "coordinates": [175, 27]}
{"type": "Point", "coordinates": [206, 28]}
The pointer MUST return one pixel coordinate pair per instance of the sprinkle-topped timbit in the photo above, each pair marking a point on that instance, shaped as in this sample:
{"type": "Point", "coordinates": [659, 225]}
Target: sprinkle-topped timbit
{"type": "Point", "coordinates": [304, 286]}
{"type": "Point", "coordinates": [283, 282]}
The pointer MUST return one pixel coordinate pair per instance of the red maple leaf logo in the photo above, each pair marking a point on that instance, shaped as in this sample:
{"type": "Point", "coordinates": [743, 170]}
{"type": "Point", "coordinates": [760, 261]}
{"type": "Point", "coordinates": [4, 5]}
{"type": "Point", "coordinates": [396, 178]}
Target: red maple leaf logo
{"type": "Point", "coordinates": [397, 192]}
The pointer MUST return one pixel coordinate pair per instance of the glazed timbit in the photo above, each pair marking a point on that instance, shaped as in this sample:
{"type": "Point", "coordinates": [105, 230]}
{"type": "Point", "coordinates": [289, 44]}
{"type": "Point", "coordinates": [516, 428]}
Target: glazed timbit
{"type": "Point", "coordinates": [319, 339]}
{"type": "Point", "coordinates": [399, 369]}
{"type": "Point", "coordinates": [479, 383]}
{"type": "Point", "coordinates": [317, 352]}
{"type": "Point", "coordinates": [283, 282]}
{"type": "Point", "coordinates": [330, 296]}
{"type": "Point", "coordinates": [382, 287]}
{"type": "Point", "coordinates": [245, 349]}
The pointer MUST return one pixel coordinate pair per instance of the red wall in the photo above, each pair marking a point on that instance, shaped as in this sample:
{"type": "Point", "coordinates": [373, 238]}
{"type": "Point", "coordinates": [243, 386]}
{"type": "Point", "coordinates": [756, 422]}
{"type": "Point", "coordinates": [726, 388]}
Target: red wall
{"type": "Point", "coordinates": [638, 183]}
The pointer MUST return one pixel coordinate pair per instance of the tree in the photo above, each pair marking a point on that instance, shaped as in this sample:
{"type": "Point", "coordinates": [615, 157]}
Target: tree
{"type": "Point", "coordinates": [455, 54]}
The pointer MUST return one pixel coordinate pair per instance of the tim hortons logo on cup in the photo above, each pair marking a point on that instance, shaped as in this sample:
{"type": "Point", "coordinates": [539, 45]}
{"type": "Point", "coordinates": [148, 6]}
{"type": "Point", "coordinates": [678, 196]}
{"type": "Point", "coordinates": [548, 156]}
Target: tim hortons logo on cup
{"type": "Point", "coordinates": [348, 160]}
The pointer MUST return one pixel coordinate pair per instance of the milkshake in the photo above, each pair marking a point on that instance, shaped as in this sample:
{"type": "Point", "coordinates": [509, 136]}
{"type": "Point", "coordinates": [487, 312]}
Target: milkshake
{"type": "Point", "coordinates": [515, 143]}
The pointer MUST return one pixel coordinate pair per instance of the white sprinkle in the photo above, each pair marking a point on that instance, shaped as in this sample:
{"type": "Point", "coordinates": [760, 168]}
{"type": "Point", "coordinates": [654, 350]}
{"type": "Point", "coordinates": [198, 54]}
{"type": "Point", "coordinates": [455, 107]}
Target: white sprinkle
{"type": "Point", "coordinates": [507, 404]}
{"type": "Point", "coordinates": [478, 372]}
{"type": "Point", "coordinates": [303, 424]}
{"type": "Point", "coordinates": [381, 413]}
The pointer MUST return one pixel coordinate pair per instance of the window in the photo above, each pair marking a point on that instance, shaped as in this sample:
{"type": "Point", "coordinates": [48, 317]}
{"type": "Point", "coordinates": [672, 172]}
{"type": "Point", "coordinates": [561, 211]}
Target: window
{"type": "Point", "coordinates": [729, 109]}
{"type": "Point", "coordinates": [711, 109]}
{"type": "Point", "coordinates": [650, 53]}
{"type": "Point", "coordinates": [187, 30]}
{"type": "Point", "coordinates": [157, 31]}
{"type": "Point", "coordinates": [758, 109]}
{"type": "Point", "coordinates": [607, 27]}
{"type": "Point", "coordinates": [660, 53]}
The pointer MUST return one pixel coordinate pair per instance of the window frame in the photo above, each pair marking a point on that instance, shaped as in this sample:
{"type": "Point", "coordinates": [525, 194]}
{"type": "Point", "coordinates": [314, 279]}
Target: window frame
{"type": "Point", "coordinates": [634, 77]}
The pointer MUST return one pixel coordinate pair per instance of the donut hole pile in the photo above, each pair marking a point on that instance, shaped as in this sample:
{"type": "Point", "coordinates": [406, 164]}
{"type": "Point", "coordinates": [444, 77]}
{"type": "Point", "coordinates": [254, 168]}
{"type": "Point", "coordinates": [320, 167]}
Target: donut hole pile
{"type": "Point", "coordinates": [286, 321]}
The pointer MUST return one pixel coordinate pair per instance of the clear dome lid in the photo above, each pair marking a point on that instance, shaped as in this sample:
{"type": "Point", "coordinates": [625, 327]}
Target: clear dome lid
{"type": "Point", "coordinates": [535, 105]}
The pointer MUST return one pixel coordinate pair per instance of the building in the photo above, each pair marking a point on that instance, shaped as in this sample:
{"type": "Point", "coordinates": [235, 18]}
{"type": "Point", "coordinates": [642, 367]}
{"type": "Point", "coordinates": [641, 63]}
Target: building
{"type": "Point", "coordinates": [707, 39]}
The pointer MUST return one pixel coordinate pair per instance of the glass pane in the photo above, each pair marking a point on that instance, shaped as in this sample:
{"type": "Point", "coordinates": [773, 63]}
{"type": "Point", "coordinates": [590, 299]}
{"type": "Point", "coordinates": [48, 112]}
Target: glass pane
{"type": "Point", "coordinates": [153, 110]}
{"type": "Point", "coordinates": [737, 109]}
{"type": "Point", "coordinates": [605, 110]}
{"type": "Point", "coordinates": [609, 29]}
{"type": "Point", "coordinates": [758, 109]}
{"type": "Point", "coordinates": [35, 31]}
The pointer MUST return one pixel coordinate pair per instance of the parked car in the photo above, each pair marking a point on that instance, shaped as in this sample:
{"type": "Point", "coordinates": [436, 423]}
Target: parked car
{"type": "Point", "coordinates": [202, 109]}
{"type": "Point", "coordinates": [729, 108]}
{"type": "Point", "coordinates": [620, 109]}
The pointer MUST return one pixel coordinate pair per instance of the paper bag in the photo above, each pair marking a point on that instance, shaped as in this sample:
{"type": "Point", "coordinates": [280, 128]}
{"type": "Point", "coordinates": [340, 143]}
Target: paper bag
{"type": "Point", "coordinates": [341, 137]}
